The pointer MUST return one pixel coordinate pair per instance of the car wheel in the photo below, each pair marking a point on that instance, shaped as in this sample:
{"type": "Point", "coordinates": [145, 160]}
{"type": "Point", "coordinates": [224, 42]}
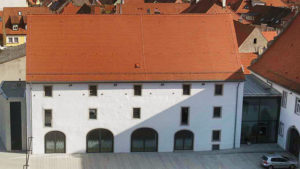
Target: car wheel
{"type": "Point", "coordinates": [292, 167]}
{"type": "Point", "coordinates": [270, 167]}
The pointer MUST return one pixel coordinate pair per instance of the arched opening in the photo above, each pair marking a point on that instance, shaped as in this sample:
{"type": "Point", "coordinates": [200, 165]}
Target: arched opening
{"type": "Point", "coordinates": [184, 140]}
{"type": "Point", "coordinates": [293, 141]}
{"type": "Point", "coordinates": [55, 142]}
{"type": "Point", "coordinates": [144, 140]}
{"type": "Point", "coordinates": [99, 141]}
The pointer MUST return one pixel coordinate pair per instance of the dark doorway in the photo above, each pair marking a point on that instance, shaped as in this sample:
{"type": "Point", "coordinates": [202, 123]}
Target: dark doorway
{"type": "Point", "coordinates": [183, 140]}
{"type": "Point", "coordinates": [55, 142]}
{"type": "Point", "coordinates": [15, 126]}
{"type": "Point", "coordinates": [294, 142]}
{"type": "Point", "coordinates": [144, 140]}
{"type": "Point", "coordinates": [100, 141]}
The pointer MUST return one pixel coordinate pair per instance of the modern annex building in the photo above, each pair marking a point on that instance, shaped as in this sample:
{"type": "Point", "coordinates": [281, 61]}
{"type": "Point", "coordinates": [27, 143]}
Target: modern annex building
{"type": "Point", "coordinates": [279, 67]}
{"type": "Point", "coordinates": [133, 83]}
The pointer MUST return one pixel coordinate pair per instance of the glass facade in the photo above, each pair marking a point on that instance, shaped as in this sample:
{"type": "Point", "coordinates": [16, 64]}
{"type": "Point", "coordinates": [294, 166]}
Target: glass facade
{"type": "Point", "coordinates": [260, 120]}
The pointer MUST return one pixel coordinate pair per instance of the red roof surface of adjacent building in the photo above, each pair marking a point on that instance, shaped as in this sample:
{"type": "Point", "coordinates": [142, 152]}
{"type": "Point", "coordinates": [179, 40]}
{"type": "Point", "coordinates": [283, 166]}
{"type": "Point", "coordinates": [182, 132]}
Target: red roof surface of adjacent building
{"type": "Point", "coordinates": [242, 31]}
{"type": "Point", "coordinates": [276, 3]}
{"type": "Point", "coordinates": [280, 63]}
{"type": "Point", "coordinates": [269, 35]}
{"type": "Point", "coordinates": [143, 8]}
{"type": "Point", "coordinates": [132, 48]}
{"type": "Point", "coordinates": [246, 60]}
{"type": "Point", "coordinates": [11, 14]}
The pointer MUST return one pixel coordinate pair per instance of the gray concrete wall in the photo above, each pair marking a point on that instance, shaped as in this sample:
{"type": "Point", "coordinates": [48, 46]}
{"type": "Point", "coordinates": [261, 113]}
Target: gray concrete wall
{"type": "Point", "coordinates": [249, 47]}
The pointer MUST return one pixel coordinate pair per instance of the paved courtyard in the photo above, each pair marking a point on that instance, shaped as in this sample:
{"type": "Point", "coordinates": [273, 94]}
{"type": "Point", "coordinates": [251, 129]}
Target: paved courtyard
{"type": "Point", "coordinates": [244, 158]}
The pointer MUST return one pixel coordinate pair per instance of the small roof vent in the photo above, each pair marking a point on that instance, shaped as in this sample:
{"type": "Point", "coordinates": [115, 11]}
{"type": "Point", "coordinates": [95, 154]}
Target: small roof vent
{"type": "Point", "coordinates": [137, 65]}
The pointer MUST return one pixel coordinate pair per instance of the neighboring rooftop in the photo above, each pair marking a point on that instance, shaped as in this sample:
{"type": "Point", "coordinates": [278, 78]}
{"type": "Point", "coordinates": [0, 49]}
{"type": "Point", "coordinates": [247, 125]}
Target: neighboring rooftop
{"type": "Point", "coordinates": [280, 63]}
{"type": "Point", "coordinates": [269, 35]}
{"type": "Point", "coordinates": [18, 15]}
{"type": "Point", "coordinates": [132, 48]}
{"type": "Point", "coordinates": [255, 87]}
{"type": "Point", "coordinates": [13, 88]}
{"type": "Point", "coordinates": [242, 31]}
{"type": "Point", "coordinates": [246, 60]}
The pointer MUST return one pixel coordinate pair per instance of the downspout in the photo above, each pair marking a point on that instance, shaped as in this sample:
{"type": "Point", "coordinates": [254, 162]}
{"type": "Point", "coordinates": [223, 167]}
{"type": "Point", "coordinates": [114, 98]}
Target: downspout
{"type": "Point", "coordinates": [236, 112]}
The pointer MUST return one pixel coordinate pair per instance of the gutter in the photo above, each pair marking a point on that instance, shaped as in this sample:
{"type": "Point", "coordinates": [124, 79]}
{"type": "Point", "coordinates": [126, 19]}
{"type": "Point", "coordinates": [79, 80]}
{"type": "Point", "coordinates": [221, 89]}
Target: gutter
{"type": "Point", "coordinates": [236, 112]}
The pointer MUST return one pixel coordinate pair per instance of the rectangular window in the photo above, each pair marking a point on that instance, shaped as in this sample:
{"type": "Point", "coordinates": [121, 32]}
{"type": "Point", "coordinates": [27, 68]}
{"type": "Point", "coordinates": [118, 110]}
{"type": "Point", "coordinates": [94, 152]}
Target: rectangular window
{"type": "Point", "coordinates": [218, 89]}
{"type": "Point", "coordinates": [48, 118]}
{"type": "Point", "coordinates": [48, 91]}
{"type": "Point", "coordinates": [281, 129]}
{"type": "Point", "coordinates": [137, 90]}
{"type": "Point", "coordinates": [92, 113]}
{"type": "Point", "coordinates": [297, 106]}
{"type": "Point", "coordinates": [186, 89]}
{"type": "Point", "coordinates": [184, 116]}
{"type": "Point", "coordinates": [217, 112]}
{"type": "Point", "coordinates": [254, 40]}
{"type": "Point", "coordinates": [284, 99]}
{"type": "Point", "coordinates": [15, 27]}
{"type": "Point", "coordinates": [216, 147]}
{"type": "Point", "coordinates": [16, 39]}
{"type": "Point", "coordinates": [93, 90]}
{"type": "Point", "coordinates": [136, 113]}
{"type": "Point", "coordinates": [216, 135]}
{"type": "Point", "coordinates": [10, 40]}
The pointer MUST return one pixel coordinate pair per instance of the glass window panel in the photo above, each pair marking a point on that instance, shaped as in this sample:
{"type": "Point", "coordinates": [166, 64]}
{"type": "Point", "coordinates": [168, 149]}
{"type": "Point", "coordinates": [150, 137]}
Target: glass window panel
{"type": "Point", "coordinates": [268, 109]}
{"type": "Point", "coordinates": [106, 146]}
{"type": "Point", "coordinates": [188, 144]}
{"type": "Point", "coordinates": [150, 145]}
{"type": "Point", "coordinates": [138, 145]}
{"type": "Point", "coordinates": [178, 143]}
{"type": "Point", "coordinates": [250, 109]}
{"type": "Point", "coordinates": [93, 146]}
{"type": "Point", "coordinates": [60, 146]}
{"type": "Point", "coordinates": [249, 132]}
{"type": "Point", "coordinates": [50, 144]}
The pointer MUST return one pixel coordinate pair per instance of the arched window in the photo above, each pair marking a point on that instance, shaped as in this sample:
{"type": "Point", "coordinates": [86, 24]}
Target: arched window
{"type": "Point", "coordinates": [184, 140]}
{"type": "Point", "coordinates": [55, 142]}
{"type": "Point", "coordinates": [99, 141]}
{"type": "Point", "coordinates": [293, 141]}
{"type": "Point", "coordinates": [144, 140]}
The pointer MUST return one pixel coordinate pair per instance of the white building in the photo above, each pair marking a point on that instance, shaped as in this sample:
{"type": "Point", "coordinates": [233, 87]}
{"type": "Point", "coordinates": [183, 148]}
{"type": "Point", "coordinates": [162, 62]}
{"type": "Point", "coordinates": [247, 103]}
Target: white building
{"type": "Point", "coordinates": [279, 67]}
{"type": "Point", "coordinates": [132, 86]}
{"type": "Point", "coordinates": [13, 3]}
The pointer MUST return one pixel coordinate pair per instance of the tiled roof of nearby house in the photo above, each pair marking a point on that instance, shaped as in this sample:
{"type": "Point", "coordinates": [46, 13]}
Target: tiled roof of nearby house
{"type": "Point", "coordinates": [132, 48]}
{"type": "Point", "coordinates": [255, 87]}
{"type": "Point", "coordinates": [269, 15]}
{"type": "Point", "coordinates": [70, 9]}
{"type": "Point", "coordinates": [280, 63]}
{"type": "Point", "coordinates": [142, 8]}
{"type": "Point", "coordinates": [242, 31]}
{"type": "Point", "coordinates": [276, 3]}
{"type": "Point", "coordinates": [13, 89]}
{"type": "Point", "coordinates": [242, 6]}
{"type": "Point", "coordinates": [11, 16]}
{"type": "Point", "coordinates": [269, 35]}
{"type": "Point", "coordinates": [246, 60]}
{"type": "Point", "coordinates": [212, 7]}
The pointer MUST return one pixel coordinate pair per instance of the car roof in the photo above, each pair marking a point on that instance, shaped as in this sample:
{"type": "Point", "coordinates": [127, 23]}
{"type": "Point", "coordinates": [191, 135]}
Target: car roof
{"type": "Point", "coordinates": [273, 155]}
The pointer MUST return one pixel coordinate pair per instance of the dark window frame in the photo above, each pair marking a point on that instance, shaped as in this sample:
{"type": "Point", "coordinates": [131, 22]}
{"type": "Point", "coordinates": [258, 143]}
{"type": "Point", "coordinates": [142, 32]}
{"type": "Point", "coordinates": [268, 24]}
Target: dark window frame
{"type": "Point", "coordinates": [284, 99]}
{"type": "Point", "coordinates": [48, 93]}
{"type": "Point", "coordinates": [139, 112]}
{"type": "Point", "coordinates": [144, 139]}
{"type": "Point", "coordinates": [255, 41]}
{"type": "Point", "coordinates": [184, 139]}
{"type": "Point", "coordinates": [91, 90]}
{"type": "Point", "coordinates": [220, 135]}
{"type": "Point", "coordinates": [137, 90]}
{"type": "Point", "coordinates": [51, 117]}
{"type": "Point", "coordinates": [297, 106]}
{"type": "Point", "coordinates": [96, 112]}
{"type": "Point", "coordinates": [188, 116]}
{"type": "Point", "coordinates": [214, 112]}
{"type": "Point", "coordinates": [222, 90]}
{"type": "Point", "coordinates": [101, 131]}
{"type": "Point", "coordinates": [55, 133]}
{"type": "Point", "coordinates": [215, 147]}
{"type": "Point", "coordinates": [186, 89]}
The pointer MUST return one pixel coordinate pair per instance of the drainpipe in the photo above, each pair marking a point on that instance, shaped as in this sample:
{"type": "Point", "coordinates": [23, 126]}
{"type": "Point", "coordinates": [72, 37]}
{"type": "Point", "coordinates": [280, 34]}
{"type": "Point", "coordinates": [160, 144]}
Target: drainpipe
{"type": "Point", "coordinates": [236, 112]}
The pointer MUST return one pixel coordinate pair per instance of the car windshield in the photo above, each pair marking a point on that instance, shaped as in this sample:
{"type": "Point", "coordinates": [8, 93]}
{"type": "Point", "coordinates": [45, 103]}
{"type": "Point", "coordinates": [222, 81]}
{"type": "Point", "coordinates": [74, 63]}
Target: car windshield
{"type": "Point", "coordinates": [264, 158]}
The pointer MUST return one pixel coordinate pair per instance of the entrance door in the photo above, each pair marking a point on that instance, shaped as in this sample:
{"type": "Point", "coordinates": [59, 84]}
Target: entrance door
{"type": "Point", "coordinates": [15, 126]}
{"type": "Point", "coordinates": [294, 145]}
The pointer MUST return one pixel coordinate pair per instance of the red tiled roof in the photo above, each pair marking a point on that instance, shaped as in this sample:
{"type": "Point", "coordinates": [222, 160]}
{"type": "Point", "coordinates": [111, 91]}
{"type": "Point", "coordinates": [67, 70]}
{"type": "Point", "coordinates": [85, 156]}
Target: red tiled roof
{"type": "Point", "coordinates": [242, 31]}
{"type": "Point", "coordinates": [269, 35]}
{"type": "Point", "coordinates": [246, 60]}
{"type": "Point", "coordinates": [280, 63]}
{"type": "Point", "coordinates": [11, 16]}
{"type": "Point", "coordinates": [141, 8]}
{"type": "Point", "coordinates": [70, 9]}
{"type": "Point", "coordinates": [132, 48]}
{"type": "Point", "coordinates": [213, 7]}
{"type": "Point", "coordinates": [276, 3]}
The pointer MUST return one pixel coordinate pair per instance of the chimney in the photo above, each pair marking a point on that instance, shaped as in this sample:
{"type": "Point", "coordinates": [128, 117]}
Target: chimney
{"type": "Point", "coordinates": [224, 3]}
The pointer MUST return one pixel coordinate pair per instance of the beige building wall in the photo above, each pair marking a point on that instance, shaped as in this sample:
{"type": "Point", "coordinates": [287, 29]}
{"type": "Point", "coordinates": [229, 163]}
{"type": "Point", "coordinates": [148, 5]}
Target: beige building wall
{"type": "Point", "coordinates": [13, 70]}
{"type": "Point", "coordinates": [249, 46]}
